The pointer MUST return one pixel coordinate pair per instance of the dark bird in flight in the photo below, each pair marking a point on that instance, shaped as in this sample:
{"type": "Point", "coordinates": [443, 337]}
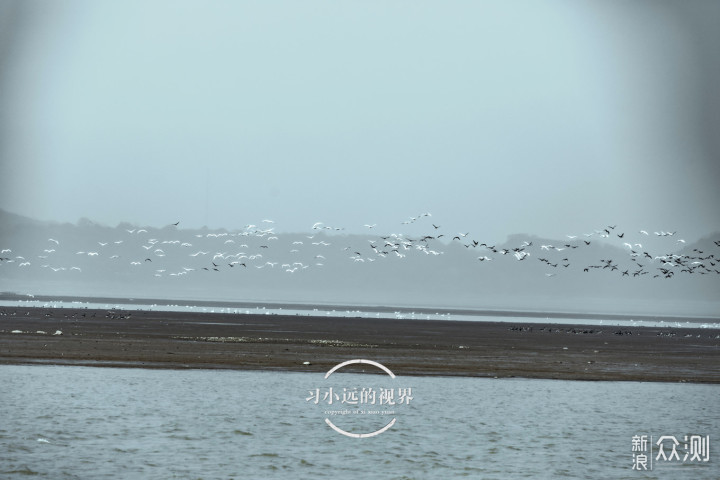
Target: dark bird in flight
{"type": "Point", "coordinates": [176, 223]}
{"type": "Point", "coordinates": [621, 235]}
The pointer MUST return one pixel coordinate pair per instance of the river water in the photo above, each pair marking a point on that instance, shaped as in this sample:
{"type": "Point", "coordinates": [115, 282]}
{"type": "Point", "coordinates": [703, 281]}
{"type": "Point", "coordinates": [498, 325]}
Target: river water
{"type": "Point", "coordinates": [68, 422]}
{"type": "Point", "coordinates": [369, 312]}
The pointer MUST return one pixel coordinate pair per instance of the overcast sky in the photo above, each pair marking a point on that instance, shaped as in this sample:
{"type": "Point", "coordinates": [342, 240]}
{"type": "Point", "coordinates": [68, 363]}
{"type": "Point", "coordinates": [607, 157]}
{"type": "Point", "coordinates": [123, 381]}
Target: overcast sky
{"type": "Point", "coordinates": [545, 117]}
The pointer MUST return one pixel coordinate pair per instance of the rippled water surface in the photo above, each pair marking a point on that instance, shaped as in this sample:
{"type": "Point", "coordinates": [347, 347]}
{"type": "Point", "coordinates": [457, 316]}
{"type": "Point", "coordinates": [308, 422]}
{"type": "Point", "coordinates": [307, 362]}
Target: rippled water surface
{"type": "Point", "coordinates": [64, 422]}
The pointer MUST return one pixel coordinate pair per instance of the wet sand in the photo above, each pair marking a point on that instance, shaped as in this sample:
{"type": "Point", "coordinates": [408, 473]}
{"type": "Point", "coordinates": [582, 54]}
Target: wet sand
{"type": "Point", "coordinates": [145, 339]}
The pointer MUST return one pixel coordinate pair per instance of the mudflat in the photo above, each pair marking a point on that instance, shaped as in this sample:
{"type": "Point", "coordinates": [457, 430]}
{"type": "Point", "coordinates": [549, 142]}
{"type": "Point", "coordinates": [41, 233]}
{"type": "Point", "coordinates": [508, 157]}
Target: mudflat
{"type": "Point", "coordinates": [151, 339]}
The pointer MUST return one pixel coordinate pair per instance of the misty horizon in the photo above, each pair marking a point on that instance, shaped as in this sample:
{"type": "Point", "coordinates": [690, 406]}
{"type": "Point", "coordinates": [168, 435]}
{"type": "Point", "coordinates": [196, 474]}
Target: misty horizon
{"type": "Point", "coordinates": [599, 272]}
{"type": "Point", "coordinates": [496, 117]}
{"type": "Point", "coordinates": [509, 123]}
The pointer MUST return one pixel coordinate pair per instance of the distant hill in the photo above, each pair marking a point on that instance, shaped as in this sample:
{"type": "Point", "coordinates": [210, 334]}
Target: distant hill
{"type": "Point", "coordinates": [635, 273]}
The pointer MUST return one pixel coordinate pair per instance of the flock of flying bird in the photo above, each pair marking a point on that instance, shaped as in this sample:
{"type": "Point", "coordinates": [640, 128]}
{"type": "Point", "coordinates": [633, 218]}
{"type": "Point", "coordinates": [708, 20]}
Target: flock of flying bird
{"type": "Point", "coordinates": [260, 247]}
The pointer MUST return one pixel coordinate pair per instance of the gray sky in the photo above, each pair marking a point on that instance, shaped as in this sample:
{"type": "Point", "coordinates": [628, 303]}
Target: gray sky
{"type": "Point", "coordinates": [545, 117]}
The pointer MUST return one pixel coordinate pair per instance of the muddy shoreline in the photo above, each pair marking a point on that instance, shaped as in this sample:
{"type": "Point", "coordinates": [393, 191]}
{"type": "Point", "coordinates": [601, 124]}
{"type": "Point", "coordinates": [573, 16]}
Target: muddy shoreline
{"type": "Point", "coordinates": [146, 339]}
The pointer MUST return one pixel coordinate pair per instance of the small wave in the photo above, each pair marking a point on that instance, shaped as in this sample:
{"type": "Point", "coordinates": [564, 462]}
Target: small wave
{"type": "Point", "coordinates": [23, 471]}
{"type": "Point", "coordinates": [123, 450]}
{"type": "Point", "coordinates": [241, 432]}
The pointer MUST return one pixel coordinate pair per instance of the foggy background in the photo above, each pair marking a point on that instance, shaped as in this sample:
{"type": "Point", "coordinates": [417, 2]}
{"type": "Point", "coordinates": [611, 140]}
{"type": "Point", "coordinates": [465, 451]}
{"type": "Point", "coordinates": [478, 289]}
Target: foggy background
{"type": "Point", "coordinates": [535, 118]}
{"type": "Point", "coordinates": [660, 276]}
